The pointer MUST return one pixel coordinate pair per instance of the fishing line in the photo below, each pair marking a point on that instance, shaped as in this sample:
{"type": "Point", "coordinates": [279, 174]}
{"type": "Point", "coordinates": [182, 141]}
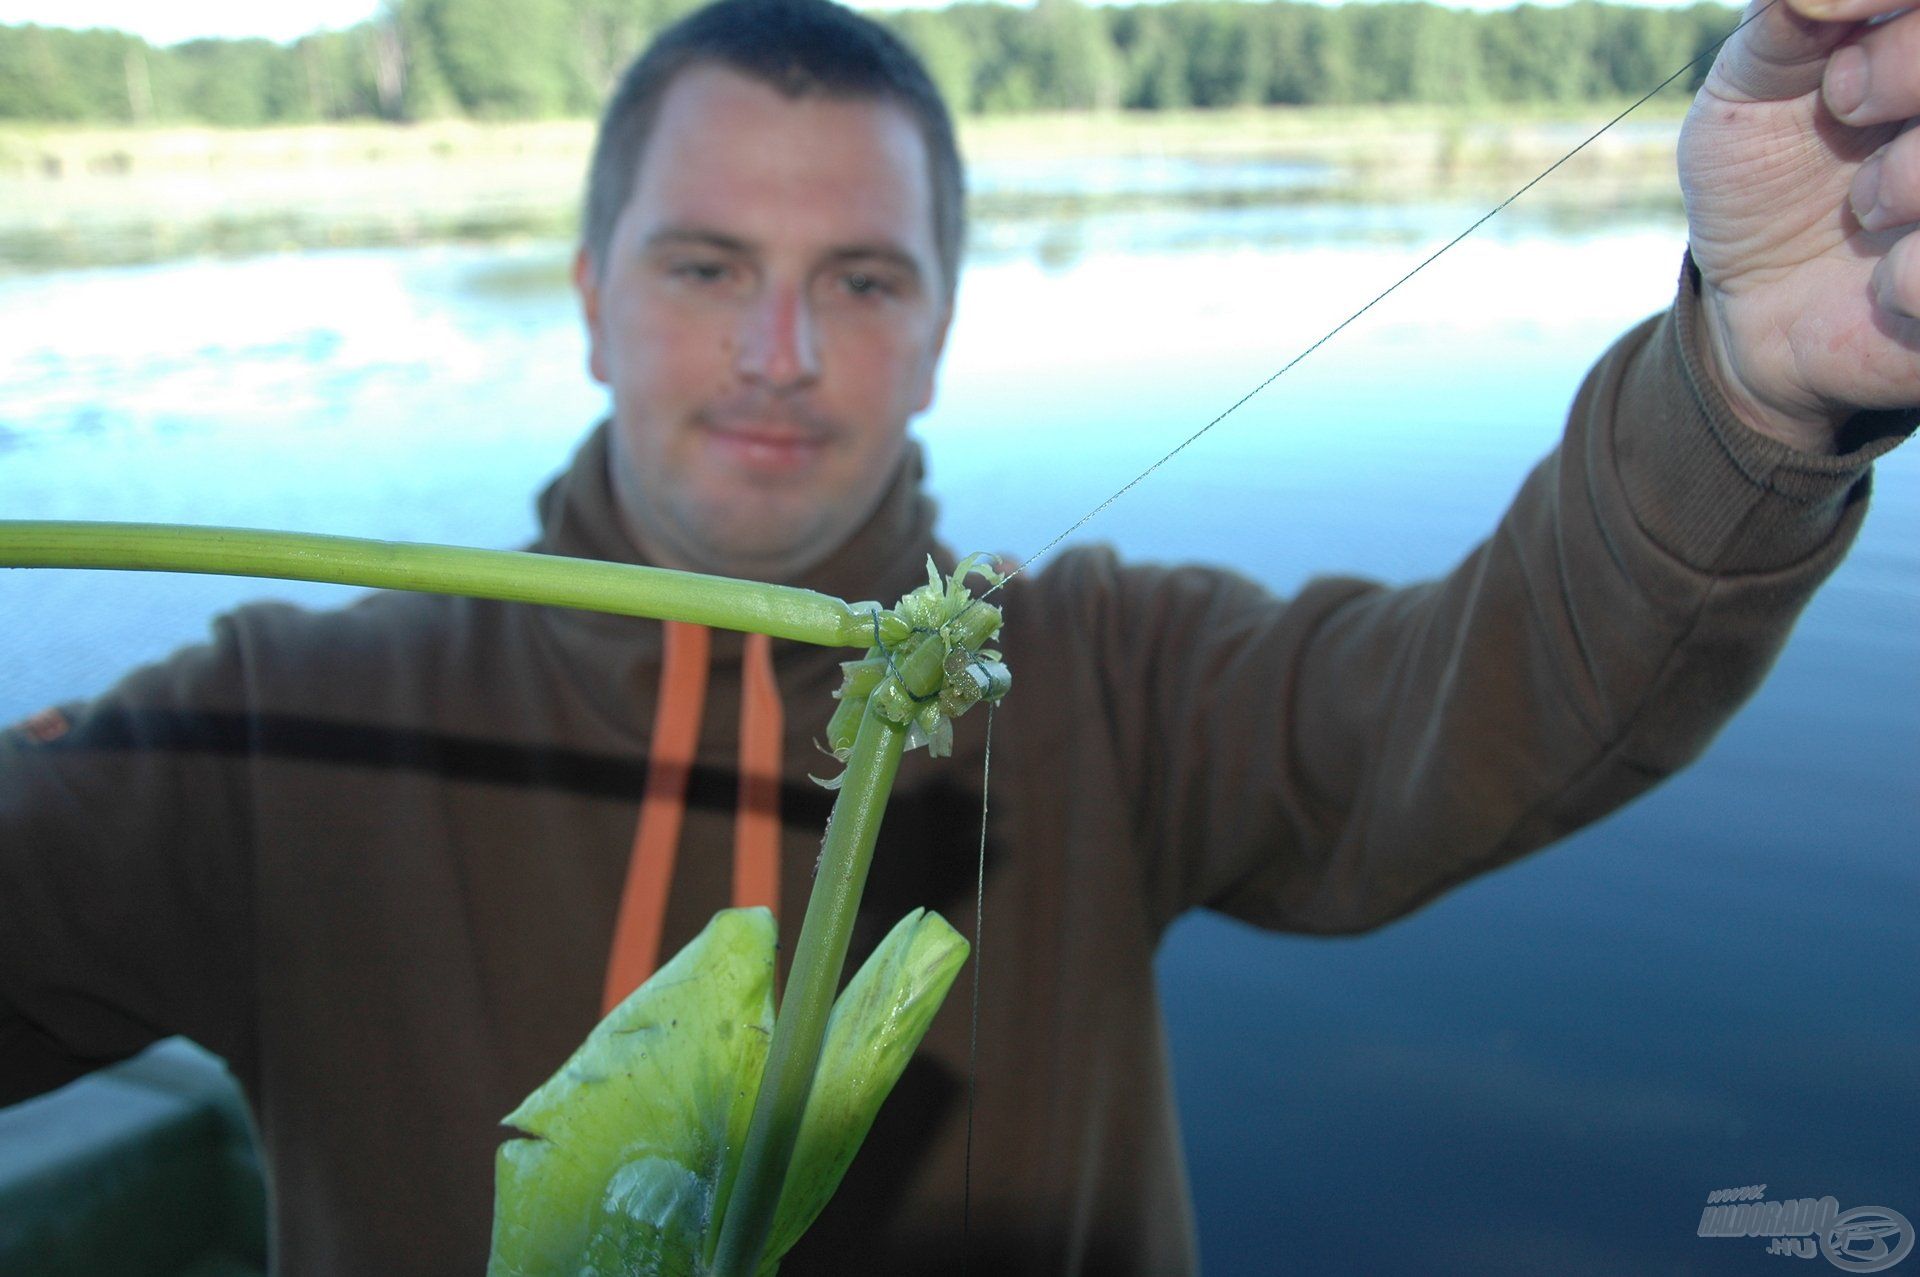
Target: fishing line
{"type": "Point", "coordinates": [973, 1043]}
{"type": "Point", "coordinates": [973, 1033]}
{"type": "Point", "coordinates": [1333, 332]}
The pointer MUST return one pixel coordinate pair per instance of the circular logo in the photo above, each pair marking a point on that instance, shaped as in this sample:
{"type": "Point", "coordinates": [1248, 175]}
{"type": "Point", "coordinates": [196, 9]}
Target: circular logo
{"type": "Point", "coordinates": [1867, 1239]}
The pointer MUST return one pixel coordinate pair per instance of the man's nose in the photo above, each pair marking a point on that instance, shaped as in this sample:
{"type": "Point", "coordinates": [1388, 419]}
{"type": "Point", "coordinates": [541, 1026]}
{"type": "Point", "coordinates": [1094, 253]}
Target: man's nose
{"type": "Point", "coordinates": [778, 346]}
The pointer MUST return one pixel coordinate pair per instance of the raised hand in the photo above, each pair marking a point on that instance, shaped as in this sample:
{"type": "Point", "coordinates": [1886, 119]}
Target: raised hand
{"type": "Point", "coordinates": [1801, 170]}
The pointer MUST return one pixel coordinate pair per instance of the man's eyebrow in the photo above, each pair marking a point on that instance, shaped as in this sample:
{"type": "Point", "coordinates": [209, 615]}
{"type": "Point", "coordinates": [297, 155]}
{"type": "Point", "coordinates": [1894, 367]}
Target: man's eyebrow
{"type": "Point", "coordinates": [891, 254]}
{"type": "Point", "coordinates": [888, 253]}
{"type": "Point", "coordinates": [694, 236]}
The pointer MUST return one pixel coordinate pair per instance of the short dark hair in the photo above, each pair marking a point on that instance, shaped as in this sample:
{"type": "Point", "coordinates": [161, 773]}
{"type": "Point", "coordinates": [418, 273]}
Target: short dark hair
{"type": "Point", "coordinates": [797, 47]}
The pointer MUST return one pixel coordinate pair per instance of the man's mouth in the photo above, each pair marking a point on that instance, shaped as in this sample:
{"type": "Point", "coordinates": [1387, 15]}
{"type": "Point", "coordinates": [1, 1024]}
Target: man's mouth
{"type": "Point", "coordinates": [771, 447]}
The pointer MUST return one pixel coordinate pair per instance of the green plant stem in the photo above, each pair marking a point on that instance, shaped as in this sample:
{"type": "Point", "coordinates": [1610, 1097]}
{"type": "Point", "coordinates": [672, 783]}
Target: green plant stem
{"type": "Point", "coordinates": [746, 1207]}
{"type": "Point", "coordinates": [626, 589]}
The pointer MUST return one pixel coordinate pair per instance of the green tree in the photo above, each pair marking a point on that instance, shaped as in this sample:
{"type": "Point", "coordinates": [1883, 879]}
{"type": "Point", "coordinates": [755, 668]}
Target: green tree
{"type": "Point", "coordinates": [944, 47]}
{"type": "Point", "coordinates": [1281, 31]}
{"type": "Point", "coordinates": [517, 59]}
{"type": "Point", "coordinates": [1074, 62]}
{"type": "Point", "coordinates": [603, 37]}
{"type": "Point", "coordinates": [1423, 53]}
{"type": "Point", "coordinates": [1702, 27]}
{"type": "Point", "coordinates": [413, 82]}
{"type": "Point", "coordinates": [236, 82]}
{"type": "Point", "coordinates": [1153, 65]}
{"type": "Point", "coordinates": [1334, 58]}
{"type": "Point", "coordinates": [1006, 76]}
{"type": "Point", "coordinates": [343, 73]}
{"type": "Point", "coordinates": [501, 59]}
{"type": "Point", "coordinates": [48, 73]}
{"type": "Point", "coordinates": [1225, 66]}
{"type": "Point", "coordinates": [1544, 55]}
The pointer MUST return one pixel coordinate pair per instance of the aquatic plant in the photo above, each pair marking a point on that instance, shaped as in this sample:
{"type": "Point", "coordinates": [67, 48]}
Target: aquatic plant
{"type": "Point", "coordinates": [695, 1131]}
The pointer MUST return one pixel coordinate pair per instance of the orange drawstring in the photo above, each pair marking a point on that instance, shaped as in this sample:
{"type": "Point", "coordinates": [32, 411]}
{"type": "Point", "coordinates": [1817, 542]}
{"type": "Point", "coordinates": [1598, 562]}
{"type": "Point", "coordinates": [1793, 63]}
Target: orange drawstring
{"type": "Point", "coordinates": [676, 735]}
{"type": "Point", "coordinates": [756, 826]}
{"type": "Point", "coordinates": [656, 840]}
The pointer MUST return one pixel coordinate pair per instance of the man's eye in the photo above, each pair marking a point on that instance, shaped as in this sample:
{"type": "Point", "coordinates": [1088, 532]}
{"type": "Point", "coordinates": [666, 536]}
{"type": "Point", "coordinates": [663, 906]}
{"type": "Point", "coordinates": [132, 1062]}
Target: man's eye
{"type": "Point", "coordinates": [861, 283]}
{"type": "Point", "coordinates": [699, 272]}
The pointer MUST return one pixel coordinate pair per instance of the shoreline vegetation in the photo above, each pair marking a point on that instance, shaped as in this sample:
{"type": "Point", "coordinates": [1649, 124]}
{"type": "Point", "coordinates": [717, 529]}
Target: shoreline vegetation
{"type": "Point", "coordinates": [439, 120]}
{"type": "Point", "coordinates": [76, 196]}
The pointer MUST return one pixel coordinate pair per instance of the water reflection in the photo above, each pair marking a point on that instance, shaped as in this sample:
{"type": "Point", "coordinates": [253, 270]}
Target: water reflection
{"type": "Point", "coordinates": [1630, 1021]}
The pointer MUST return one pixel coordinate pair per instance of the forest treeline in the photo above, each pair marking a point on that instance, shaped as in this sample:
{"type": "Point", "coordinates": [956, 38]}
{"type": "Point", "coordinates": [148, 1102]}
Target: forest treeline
{"type": "Point", "coordinates": [535, 59]}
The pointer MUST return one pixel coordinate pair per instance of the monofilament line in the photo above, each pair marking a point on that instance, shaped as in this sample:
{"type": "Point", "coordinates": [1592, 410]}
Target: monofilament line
{"type": "Point", "coordinates": [973, 1033]}
{"type": "Point", "coordinates": [1335, 331]}
{"type": "Point", "coordinates": [980, 889]}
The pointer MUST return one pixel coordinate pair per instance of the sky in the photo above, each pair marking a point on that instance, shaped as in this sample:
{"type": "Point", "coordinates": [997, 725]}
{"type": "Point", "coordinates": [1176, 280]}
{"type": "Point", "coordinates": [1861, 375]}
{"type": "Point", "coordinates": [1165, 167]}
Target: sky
{"type": "Point", "coordinates": [170, 21]}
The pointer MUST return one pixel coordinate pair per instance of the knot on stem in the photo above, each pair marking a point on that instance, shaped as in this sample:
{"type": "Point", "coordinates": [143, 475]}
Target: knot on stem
{"type": "Point", "coordinates": [936, 670]}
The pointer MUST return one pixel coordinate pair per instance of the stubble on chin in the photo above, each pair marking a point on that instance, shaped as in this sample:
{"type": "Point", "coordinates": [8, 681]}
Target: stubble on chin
{"type": "Point", "coordinates": [756, 528]}
{"type": "Point", "coordinates": [741, 536]}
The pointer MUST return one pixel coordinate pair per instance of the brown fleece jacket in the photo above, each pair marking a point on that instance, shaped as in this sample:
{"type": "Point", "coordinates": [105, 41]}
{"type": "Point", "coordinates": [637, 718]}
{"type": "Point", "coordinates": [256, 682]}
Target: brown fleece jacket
{"type": "Point", "coordinates": [372, 856]}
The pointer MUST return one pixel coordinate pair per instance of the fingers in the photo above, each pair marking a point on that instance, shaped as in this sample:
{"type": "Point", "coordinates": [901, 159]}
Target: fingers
{"type": "Point", "coordinates": [1875, 78]}
{"type": "Point", "coordinates": [1886, 190]}
{"type": "Point", "coordinates": [1848, 10]}
{"type": "Point", "coordinates": [1777, 52]}
{"type": "Point", "coordinates": [1896, 278]}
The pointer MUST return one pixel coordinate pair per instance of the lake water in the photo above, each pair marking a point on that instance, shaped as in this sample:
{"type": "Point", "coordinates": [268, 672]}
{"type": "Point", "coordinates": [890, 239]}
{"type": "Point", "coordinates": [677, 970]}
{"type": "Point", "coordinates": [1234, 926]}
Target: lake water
{"type": "Point", "coordinates": [1549, 1069]}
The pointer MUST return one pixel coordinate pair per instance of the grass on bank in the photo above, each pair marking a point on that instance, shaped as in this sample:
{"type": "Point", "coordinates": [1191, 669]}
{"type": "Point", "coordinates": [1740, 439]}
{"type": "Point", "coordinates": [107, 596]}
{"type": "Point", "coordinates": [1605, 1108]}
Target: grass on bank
{"type": "Point", "coordinates": [89, 196]}
{"type": "Point", "coordinates": [54, 153]}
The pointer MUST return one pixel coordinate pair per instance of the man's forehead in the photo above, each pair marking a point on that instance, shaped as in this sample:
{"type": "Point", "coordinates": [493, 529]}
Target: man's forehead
{"type": "Point", "coordinates": [727, 149]}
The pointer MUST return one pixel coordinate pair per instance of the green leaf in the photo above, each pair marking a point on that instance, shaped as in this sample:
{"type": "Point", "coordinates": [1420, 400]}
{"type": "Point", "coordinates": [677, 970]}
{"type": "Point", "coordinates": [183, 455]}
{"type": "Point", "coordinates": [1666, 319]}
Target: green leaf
{"type": "Point", "coordinates": [877, 1024]}
{"type": "Point", "coordinates": [633, 1134]}
{"type": "Point", "coordinates": [630, 1141]}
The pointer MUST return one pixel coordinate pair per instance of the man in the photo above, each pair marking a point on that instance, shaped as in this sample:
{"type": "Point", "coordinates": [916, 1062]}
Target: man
{"type": "Point", "coordinates": [373, 857]}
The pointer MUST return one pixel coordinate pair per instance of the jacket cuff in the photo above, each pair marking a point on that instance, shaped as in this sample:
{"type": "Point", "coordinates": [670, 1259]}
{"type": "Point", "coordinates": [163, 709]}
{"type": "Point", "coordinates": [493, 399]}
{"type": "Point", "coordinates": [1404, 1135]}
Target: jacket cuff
{"type": "Point", "coordinates": [1712, 491]}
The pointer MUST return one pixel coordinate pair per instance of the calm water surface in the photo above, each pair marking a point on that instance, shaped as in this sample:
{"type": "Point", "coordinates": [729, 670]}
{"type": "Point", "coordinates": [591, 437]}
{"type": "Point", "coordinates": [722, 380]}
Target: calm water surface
{"type": "Point", "coordinates": [1548, 1070]}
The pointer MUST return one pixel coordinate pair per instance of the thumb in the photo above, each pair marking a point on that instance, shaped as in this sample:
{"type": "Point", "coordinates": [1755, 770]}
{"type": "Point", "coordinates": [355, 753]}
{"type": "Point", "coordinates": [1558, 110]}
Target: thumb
{"type": "Point", "coordinates": [1777, 53]}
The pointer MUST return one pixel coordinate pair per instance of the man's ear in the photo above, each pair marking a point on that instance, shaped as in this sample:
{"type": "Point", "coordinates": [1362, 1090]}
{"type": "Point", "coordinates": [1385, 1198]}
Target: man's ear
{"type": "Point", "coordinates": [586, 282]}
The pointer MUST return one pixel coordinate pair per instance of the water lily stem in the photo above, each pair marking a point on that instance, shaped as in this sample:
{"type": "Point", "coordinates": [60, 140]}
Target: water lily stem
{"type": "Point", "coordinates": [746, 1207]}
{"type": "Point", "coordinates": [625, 589]}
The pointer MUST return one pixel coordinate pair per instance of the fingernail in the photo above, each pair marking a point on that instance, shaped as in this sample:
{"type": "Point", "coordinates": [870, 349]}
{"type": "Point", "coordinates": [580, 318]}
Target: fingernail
{"type": "Point", "coordinates": [1882, 284]}
{"type": "Point", "coordinates": [1865, 195]}
{"type": "Point", "coordinates": [1846, 80]}
{"type": "Point", "coordinates": [1886, 279]}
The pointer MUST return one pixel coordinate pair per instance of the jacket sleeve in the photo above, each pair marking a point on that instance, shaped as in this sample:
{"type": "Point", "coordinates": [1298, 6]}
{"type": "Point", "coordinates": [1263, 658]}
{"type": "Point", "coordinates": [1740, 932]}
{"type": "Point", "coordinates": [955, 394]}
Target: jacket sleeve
{"type": "Point", "coordinates": [1333, 762]}
{"type": "Point", "coordinates": [125, 874]}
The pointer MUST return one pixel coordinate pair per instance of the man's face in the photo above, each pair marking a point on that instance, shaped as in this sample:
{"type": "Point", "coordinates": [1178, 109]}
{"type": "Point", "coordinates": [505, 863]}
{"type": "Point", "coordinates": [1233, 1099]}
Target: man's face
{"type": "Point", "coordinates": [769, 315]}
